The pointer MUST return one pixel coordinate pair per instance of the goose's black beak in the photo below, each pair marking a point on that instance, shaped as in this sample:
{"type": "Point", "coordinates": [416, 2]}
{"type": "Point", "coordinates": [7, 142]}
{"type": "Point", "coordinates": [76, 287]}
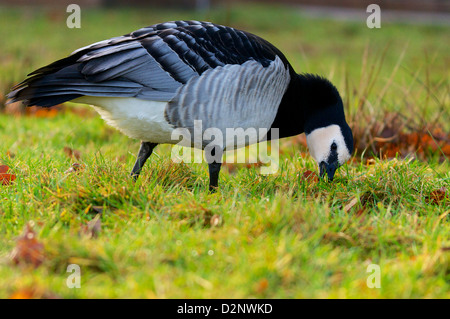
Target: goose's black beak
{"type": "Point", "coordinates": [329, 169]}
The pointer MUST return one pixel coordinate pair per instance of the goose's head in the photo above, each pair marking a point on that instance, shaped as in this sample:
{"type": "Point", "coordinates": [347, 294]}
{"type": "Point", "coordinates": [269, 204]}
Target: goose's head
{"type": "Point", "coordinates": [329, 138]}
{"type": "Point", "coordinates": [331, 146]}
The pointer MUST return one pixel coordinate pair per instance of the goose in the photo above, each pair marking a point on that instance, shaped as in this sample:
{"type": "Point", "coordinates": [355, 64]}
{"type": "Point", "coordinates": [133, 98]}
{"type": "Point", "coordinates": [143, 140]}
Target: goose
{"type": "Point", "coordinates": [168, 76]}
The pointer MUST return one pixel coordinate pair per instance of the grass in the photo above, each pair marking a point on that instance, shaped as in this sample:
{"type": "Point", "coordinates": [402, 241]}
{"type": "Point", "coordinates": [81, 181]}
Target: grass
{"type": "Point", "coordinates": [275, 236]}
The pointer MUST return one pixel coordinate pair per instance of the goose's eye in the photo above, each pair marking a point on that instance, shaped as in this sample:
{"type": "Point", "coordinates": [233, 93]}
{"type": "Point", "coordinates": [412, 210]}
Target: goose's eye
{"type": "Point", "coordinates": [333, 146]}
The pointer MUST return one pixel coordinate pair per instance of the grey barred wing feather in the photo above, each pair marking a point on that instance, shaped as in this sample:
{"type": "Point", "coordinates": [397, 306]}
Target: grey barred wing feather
{"type": "Point", "coordinates": [151, 63]}
{"type": "Point", "coordinates": [121, 70]}
{"type": "Point", "coordinates": [243, 96]}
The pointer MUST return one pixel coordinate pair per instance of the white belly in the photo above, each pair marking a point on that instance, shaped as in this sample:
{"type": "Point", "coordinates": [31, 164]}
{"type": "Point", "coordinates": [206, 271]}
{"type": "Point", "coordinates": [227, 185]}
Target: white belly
{"type": "Point", "coordinates": [136, 118]}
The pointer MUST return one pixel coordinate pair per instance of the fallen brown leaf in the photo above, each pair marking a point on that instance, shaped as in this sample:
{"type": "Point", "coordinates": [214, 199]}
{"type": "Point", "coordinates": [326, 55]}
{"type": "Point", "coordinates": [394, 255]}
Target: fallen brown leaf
{"type": "Point", "coordinates": [23, 294]}
{"type": "Point", "coordinates": [436, 196]}
{"type": "Point", "coordinates": [3, 169]}
{"type": "Point", "coordinates": [215, 220]}
{"type": "Point", "coordinates": [28, 250]}
{"type": "Point", "coordinates": [360, 212]}
{"type": "Point", "coordinates": [33, 292]}
{"type": "Point", "coordinates": [70, 152]}
{"type": "Point", "coordinates": [350, 204]}
{"type": "Point", "coordinates": [262, 285]}
{"type": "Point", "coordinates": [93, 227]}
{"type": "Point", "coordinates": [44, 112]}
{"type": "Point", "coordinates": [257, 164]}
{"type": "Point", "coordinates": [10, 154]}
{"type": "Point", "coordinates": [332, 236]}
{"type": "Point", "coordinates": [6, 178]}
{"type": "Point", "coordinates": [394, 135]}
{"type": "Point", "coordinates": [299, 139]}
{"type": "Point", "coordinates": [446, 149]}
{"type": "Point", "coordinates": [15, 108]}
{"type": "Point", "coordinates": [74, 168]}
{"type": "Point", "coordinates": [231, 167]}
{"type": "Point", "coordinates": [97, 209]}
{"type": "Point", "coordinates": [310, 176]}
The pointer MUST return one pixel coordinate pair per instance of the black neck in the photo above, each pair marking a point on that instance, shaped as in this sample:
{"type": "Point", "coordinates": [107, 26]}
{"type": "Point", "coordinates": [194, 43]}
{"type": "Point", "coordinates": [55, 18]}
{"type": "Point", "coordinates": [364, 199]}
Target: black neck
{"type": "Point", "coordinates": [310, 102]}
{"type": "Point", "coordinates": [290, 118]}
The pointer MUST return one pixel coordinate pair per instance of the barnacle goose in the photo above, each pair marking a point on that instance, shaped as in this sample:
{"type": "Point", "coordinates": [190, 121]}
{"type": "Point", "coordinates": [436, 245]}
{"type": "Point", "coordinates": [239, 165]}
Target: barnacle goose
{"type": "Point", "coordinates": [169, 75]}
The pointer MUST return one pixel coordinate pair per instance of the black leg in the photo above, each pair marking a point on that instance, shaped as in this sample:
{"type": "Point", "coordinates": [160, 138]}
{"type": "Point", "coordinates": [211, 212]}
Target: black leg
{"type": "Point", "coordinates": [214, 158]}
{"type": "Point", "coordinates": [145, 151]}
{"type": "Point", "coordinates": [214, 169]}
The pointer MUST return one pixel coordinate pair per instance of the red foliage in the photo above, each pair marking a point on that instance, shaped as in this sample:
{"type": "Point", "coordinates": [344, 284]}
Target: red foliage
{"type": "Point", "coordinates": [5, 178]}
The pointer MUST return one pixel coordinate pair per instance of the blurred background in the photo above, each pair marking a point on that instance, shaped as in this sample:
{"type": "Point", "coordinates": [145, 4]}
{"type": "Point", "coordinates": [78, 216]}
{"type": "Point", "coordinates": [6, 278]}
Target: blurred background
{"type": "Point", "coordinates": [427, 5]}
{"type": "Point", "coordinates": [394, 80]}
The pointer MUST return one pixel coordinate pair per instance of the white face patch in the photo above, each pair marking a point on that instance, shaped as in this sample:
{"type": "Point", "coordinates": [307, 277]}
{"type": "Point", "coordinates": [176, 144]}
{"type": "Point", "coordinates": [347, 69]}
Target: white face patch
{"type": "Point", "coordinates": [320, 140]}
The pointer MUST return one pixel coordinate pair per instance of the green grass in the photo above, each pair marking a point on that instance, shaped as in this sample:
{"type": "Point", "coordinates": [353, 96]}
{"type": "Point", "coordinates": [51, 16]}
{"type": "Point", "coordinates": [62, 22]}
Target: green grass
{"type": "Point", "coordinates": [278, 236]}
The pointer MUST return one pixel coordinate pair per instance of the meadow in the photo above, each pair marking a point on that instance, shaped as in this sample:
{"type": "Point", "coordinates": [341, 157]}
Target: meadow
{"type": "Point", "coordinates": [285, 235]}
